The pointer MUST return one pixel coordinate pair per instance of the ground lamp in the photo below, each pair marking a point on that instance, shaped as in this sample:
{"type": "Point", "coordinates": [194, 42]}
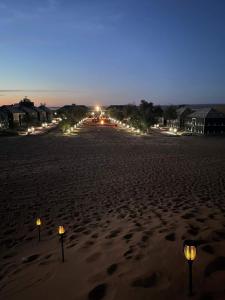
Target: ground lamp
{"type": "Point", "coordinates": [190, 254]}
{"type": "Point", "coordinates": [38, 223]}
{"type": "Point", "coordinates": [61, 231]}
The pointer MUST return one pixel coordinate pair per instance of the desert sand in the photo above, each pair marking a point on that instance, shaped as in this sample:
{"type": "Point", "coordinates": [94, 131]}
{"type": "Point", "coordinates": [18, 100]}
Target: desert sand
{"type": "Point", "coordinates": [127, 203]}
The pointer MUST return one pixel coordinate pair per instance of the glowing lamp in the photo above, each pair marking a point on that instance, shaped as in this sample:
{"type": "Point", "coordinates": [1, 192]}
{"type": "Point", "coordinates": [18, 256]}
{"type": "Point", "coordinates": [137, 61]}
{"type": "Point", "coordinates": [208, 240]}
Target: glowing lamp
{"type": "Point", "coordinates": [102, 122]}
{"type": "Point", "coordinates": [38, 222]}
{"type": "Point", "coordinates": [97, 108]}
{"type": "Point", "coordinates": [190, 253]}
{"type": "Point", "coordinates": [61, 230]}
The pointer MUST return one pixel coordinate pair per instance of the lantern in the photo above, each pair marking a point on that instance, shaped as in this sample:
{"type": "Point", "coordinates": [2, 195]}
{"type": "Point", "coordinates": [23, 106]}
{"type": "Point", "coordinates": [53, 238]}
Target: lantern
{"type": "Point", "coordinates": [61, 231]}
{"type": "Point", "coordinates": [38, 223]}
{"type": "Point", "coordinates": [190, 253]}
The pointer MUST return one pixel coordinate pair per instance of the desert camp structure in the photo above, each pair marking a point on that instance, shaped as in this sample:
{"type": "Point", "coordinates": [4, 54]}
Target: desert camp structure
{"type": "Point", "coordinates": [23, 114]}
{"type": "Point", "coordinates": [206, 121]}
{"type": "Point", "coordinates": [179, 121]}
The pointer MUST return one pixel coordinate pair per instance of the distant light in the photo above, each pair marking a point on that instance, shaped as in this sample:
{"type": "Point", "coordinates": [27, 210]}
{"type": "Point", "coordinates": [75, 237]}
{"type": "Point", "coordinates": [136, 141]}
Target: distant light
{"type": "Point", "coordinates": [102, 122]}
{"type": "Point", "coordinates": [97, 108]}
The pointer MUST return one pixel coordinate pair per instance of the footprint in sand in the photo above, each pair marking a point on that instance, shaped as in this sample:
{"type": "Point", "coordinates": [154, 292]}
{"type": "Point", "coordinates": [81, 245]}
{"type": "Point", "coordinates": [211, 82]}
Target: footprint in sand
{"type": "Point", "coordinates": [112, 269]}
{"type": "Point", "coordinates": [208, 249]}
{"type": "Point", "coordinates": [170, 237]}
{"type": "Point", "coordinates": [31, 258]}
{"type": "Point", "coordinates": [218, 264]}
{"type": "Point", "coordinates": [146, 282]}
{"type": "Point", "coordinates": [98, 292]}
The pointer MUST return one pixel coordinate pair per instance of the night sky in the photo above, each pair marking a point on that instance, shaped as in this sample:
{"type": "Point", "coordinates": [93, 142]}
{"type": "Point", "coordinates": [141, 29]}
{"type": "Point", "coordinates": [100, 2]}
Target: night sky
{"type": "Point", "coordinates": [112, 52]}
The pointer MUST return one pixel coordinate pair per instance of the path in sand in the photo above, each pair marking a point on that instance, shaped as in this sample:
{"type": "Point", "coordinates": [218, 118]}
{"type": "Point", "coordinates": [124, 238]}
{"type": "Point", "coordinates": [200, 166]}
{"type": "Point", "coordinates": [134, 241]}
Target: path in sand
{"type": "Point", "coordinates": [127, 203]}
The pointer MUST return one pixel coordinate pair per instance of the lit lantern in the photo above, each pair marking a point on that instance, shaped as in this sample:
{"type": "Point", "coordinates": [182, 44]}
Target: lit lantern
{"type": "Point", "coordinates": [190, 253]}
{"type": "Point", "coordinates": [102, 122]}
{"type": "Point", "coordinates": [61, 231]}
{"type": "Point", "coordinates": [38, 223]}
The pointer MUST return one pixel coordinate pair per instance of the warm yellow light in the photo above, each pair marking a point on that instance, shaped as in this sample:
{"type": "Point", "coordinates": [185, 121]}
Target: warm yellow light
{"type": "Point", "coordinates": [190, 252]}
{"type": "Point", "coordinates": [61, 230]}
{"type": "Point", "coordinates": [38, 222]}
{"type": "Point", "coordinates": [97, 108]}
{"type": "Point", "coordinates": [102, 122]}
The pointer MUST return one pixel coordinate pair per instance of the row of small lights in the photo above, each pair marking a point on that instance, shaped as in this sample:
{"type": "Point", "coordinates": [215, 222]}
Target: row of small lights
{"type": "Point", "coordinates": [76, 126]}
{"type": "Point", "coordinates": [125, 125]}
{"type": "Point", "coordinates": [61, 232]}
{"type": "Point", "coordinates": [173, 129]}
{"type": "Point", "coordinates": [189, 248]}
{"type": "Point", "coordinates": [43, 125]}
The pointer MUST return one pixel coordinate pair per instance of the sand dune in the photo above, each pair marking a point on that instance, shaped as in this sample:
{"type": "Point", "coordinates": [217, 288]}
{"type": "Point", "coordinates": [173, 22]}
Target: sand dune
{"type": "Point", "coordinates": [127, 203]}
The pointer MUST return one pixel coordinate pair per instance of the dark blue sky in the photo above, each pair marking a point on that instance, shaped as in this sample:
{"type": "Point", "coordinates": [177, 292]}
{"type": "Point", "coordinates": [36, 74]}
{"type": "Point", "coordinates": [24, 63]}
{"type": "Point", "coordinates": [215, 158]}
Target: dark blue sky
{"type": "Point", "coordinates": [64, 51]}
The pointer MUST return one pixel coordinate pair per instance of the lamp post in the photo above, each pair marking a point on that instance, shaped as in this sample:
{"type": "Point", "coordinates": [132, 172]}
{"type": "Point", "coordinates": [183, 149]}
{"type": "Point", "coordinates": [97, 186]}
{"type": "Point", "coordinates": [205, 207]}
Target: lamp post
{"type": "Point", "coordinates": [190, 253]}
{"type": "Point", "coordinates": [61, 231]}
{"type": "Point", "coordinates": [38, 223]}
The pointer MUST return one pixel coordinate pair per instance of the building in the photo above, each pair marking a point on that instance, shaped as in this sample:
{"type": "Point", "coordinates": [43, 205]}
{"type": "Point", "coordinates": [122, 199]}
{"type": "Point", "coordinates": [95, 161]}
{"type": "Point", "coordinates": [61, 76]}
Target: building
{"type": "Point", "coordinates": [47, 111]}
{"type": "Point", "coordinates": [15, 115]}
{"type": "Point", "coordinates": [31, 113]}
{"type": "Point", "coordinates": [179, 122]}
{"type": "Point", "coordinates": [206, 121]}
{"type": "Point", "coordinates": [4, 120]}
{"type": "Point", "coordinates": [41, 114]}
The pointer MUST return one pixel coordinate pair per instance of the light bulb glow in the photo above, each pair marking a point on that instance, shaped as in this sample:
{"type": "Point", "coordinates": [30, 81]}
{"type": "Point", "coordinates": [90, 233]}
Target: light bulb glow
{"type": "Point", "coordinates": [61, 230]}
{"type": "Point", "coordinates": [38, 222]}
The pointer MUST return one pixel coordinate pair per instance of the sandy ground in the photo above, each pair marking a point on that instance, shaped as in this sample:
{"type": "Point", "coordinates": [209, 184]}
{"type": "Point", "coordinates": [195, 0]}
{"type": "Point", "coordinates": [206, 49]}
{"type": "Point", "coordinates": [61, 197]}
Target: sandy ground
{"type": "Point", "coordinates": [127, 203]}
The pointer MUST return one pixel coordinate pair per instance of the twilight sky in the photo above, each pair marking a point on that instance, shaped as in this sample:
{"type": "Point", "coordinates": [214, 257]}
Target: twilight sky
{"type": "Point", "coordinates": [112, 51]}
